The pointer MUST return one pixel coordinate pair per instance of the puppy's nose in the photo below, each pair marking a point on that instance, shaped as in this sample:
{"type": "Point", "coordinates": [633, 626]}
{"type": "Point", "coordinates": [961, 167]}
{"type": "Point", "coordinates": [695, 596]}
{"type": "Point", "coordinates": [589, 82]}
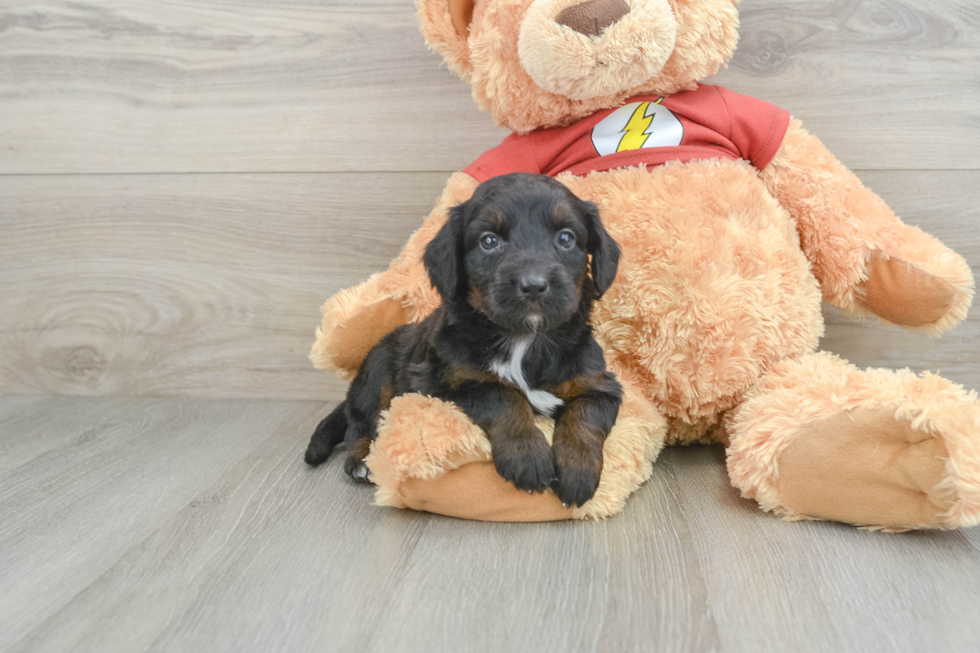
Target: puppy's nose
{"type": "Point", "coordinates": [533, 287]}
{"type": "Point", "coordinates": [592, 17]}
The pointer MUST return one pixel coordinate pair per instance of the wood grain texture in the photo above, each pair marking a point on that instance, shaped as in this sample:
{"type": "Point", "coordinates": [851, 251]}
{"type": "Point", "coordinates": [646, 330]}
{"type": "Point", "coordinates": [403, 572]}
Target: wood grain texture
{"type": "Point", "coordinates": [210, 285]}
{"type": "Point", "coordinates": [230, 86]}
{"type": "Point", "coordinates": [71, 513]}
{"type": "Point", "coordinates": [885, 84]}
{"type": "Point", "coordinates": [817, 586]}
{"type": "Point", "coordinates": [203, 285]}
{"type": "Point", "coordinates": [264, 554]}
{"type": "Point", "coordinates": [616, 585]}
{"type": "Point", "coordinates": [227, 86]}
{"type": "Point", "coordinates": [28, 429]}
{"type": "Point", "coordinates": [283, 558]}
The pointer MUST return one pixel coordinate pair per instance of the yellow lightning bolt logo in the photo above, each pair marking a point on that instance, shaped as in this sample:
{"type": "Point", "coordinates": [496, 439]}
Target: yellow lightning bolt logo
{"type": "Point", "coordinates": [635, 132]}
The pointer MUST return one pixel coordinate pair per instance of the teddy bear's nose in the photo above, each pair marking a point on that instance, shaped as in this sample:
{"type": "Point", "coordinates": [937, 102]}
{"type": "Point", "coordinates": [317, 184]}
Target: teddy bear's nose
{"type": "Point", "coordinates": [593, 16]}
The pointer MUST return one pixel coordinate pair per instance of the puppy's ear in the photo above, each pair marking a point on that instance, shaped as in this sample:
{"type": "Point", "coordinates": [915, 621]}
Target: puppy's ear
{"type": "Point", "coordinates": [443, 258]}
{"type": "Point", "coordinates": [604, 250]}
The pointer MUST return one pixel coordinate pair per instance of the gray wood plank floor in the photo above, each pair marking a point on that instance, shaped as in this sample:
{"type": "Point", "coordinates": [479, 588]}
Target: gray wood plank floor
{"type": "Point", "coordinates": [193, 525]}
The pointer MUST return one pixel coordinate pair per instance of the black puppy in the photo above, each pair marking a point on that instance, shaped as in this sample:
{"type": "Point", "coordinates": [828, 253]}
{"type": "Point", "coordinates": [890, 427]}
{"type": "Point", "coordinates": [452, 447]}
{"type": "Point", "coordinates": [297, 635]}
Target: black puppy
{"type": "Point", "coordinates": [511, 339]}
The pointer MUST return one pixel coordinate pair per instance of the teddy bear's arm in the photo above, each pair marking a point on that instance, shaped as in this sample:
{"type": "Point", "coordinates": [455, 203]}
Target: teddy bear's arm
{"type": "Point", "coordinates": [864, 257]}
{"type": "Point", "coordinates": [356, 319]}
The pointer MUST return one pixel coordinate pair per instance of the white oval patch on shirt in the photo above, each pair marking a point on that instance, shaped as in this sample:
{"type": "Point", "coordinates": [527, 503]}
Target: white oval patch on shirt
{"type": "Point", "coordinates": [635, 126]}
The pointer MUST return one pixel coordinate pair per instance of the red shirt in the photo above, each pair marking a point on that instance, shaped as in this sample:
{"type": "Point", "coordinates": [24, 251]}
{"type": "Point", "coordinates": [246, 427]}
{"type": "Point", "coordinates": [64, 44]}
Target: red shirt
{"type": "Point", "coordinates": [710, 122]}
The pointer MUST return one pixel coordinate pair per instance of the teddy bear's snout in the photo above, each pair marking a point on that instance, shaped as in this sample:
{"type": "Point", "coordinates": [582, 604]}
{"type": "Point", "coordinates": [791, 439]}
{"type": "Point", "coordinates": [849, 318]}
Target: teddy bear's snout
{"type": "Point", "coordinates": [590, 49]}
{"type": "Point", "coordinates": [593, 16]}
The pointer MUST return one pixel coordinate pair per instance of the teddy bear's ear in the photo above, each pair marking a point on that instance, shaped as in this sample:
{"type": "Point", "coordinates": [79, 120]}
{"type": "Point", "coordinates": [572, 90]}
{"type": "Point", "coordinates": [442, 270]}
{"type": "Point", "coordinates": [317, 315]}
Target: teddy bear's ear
{"type": "Point", "coordinates": [707, 33]}
{"type": "Point", "coordinates": [461, 13]}
{"type": "Point", "coordinates": [445, 24]}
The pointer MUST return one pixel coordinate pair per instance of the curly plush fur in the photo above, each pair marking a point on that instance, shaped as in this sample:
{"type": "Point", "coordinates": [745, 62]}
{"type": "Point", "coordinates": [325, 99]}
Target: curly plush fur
{"type": "Point", "coordinates": [714, 319]}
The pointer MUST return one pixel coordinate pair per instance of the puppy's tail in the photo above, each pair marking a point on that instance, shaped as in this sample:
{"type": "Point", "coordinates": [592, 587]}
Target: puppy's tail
{"type": "Point", "coordinates": [327, 435]}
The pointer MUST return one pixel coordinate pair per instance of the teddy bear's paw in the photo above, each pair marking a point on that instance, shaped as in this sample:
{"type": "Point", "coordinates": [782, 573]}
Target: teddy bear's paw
{"type": "Point", "coordinates": [818, 438]}
{"type": "Point", "coordinates": [868, 467]}
{"type": "Point", "coordinates": [905, 293]}
{"type": "Point", "coordinates": [350, 342]}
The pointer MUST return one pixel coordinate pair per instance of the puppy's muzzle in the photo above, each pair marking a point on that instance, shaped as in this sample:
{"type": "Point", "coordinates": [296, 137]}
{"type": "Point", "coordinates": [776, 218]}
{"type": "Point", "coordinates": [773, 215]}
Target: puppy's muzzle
{"type": "Point", "coordinates": [532, 293]}
{"type": "Point", "coordinates": [533, 287]}
{"type": "Point", "coordinates": [535, 280]}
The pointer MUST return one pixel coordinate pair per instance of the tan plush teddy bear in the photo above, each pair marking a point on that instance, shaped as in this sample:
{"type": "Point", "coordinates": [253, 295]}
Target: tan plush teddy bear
{"type": "Point", "coordinates": [734, 222]}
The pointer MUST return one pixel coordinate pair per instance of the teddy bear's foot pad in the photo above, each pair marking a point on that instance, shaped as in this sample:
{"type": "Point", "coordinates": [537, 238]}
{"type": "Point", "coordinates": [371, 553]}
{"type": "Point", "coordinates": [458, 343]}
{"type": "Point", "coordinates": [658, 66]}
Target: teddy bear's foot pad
{"type": "Point", "coordinates": [866, 466]}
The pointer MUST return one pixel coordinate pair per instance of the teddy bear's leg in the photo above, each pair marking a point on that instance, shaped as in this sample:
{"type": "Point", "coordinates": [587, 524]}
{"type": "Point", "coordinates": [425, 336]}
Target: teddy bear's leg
{"type": "Point", "coordinates": [356, 319]}
{"type": "Point", "coordinates": [818, 438]}
{"type": "Point", "coordinates": [429, 456]}
{"type": "Point", "coordinates": [866, 259]}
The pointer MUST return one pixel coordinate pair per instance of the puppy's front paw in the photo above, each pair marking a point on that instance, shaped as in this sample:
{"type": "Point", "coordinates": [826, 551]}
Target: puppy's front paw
{"type": "Point", "coordinates": [526, 461]}
{"type": "Point", "coordinates": [579, 470]}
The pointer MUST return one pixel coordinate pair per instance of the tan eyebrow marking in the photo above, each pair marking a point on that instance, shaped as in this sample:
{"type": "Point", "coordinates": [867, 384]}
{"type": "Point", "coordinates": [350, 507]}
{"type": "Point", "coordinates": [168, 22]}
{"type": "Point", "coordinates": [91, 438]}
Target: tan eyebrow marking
{"type": "Point", "coordinates": [562, 215]}
{"type": "Point", "coordinates": [494, 221]}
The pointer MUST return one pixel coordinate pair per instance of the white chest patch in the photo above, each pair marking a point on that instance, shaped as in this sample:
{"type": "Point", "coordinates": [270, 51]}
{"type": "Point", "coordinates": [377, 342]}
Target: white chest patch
{"type": "Point", "coordinates": [511, 370]}
{"type": "Point", "coordinates": [637, 125]}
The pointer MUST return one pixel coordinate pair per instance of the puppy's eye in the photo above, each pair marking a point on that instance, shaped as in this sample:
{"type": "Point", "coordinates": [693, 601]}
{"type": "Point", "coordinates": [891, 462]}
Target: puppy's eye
{"type": "Point", "coordinates": [489, 241]}
{"type": "Point", "coordinates": [566, 239]}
